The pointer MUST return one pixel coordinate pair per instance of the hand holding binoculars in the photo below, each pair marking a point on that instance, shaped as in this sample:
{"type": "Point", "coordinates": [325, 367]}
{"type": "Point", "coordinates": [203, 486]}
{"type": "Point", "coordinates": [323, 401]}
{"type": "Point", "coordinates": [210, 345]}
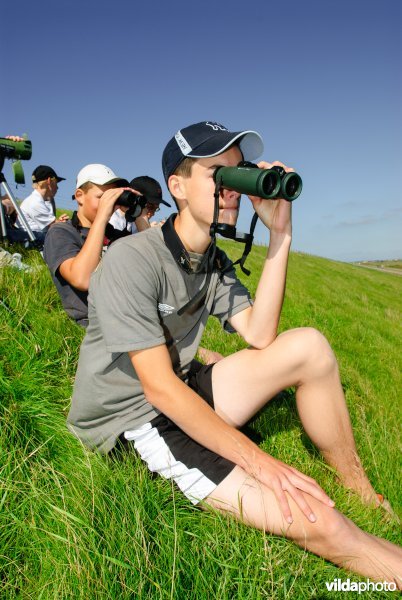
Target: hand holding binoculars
{"type": "Point", "coordinates": [134, 202]}
{"type": "Point", "coordinates": [248, 178]}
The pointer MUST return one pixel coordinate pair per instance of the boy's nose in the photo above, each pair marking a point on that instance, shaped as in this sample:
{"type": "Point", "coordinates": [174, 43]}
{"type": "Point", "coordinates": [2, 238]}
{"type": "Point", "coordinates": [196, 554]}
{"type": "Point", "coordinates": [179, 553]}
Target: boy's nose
{"type": "Point", "coordinates": [230, 194]}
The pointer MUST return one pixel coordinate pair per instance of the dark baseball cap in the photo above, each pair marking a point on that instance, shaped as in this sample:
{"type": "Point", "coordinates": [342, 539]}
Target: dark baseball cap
{"type": "Point", "coordinates": [206, 139]}
{"type": "Point", "coordinates": [150, 188]}
{"type": "Point", "coordinates": [43, 172]}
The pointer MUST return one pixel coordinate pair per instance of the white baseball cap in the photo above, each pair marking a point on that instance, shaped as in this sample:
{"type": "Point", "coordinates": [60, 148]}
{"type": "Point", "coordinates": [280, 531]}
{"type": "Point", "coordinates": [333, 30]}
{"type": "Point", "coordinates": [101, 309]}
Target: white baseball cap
{"type": "Point", "coordinates": [98, 174]}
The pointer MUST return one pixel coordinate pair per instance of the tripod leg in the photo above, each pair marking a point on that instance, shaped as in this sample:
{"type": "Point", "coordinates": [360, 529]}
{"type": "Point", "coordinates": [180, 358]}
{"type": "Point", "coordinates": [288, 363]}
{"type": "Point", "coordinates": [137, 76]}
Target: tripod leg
{"type": "Point", "coordinates": [17, 209]}
{"type": "Point", "coordinates": [3, 227]}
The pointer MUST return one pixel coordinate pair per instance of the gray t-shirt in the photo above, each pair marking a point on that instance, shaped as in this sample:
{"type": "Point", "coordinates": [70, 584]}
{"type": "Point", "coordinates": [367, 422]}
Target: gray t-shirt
{"type": "Point", "coordinates": [64, 241]}
{"type": "Point", "coordinates": [134, 296]}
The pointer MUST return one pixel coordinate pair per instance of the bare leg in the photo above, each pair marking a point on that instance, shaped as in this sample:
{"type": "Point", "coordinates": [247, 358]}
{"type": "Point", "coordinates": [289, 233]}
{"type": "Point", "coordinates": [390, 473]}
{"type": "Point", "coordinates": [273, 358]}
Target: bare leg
{"type": "Point", "coordinates": [332, 536]}
{"type": "Point", "coordinates": [245, 381]}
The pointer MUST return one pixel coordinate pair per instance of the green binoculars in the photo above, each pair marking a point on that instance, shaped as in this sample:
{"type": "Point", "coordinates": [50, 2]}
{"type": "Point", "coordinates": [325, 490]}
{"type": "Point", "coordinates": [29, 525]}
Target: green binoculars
{"type": "Point", "coordinates": [15, 150]}
{"type": "Point", "coordinates": [248, 178]}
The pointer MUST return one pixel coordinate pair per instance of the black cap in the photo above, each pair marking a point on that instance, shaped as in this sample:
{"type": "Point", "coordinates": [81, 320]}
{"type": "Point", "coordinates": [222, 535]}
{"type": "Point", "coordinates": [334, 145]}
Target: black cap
{"type": "Point", "coordinates": [43, 172]}
{"type": "Point", "coordinates": [206, 139]}
{"type": "Point", "coordinates": [150, 188]}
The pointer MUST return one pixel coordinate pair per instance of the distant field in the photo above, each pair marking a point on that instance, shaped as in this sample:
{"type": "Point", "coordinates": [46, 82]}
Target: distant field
{"type": "Point", "coordinates": [393, 264]}
{"type": "Point", "coordinates": [77, 525]}
{"type": "Point", "coordinates": [388, 266]}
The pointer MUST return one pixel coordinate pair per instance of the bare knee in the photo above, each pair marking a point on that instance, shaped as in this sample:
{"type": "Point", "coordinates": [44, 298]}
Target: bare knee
{"type": "Point", "coordinates": [311, 352]}
{"type": "Point", "coordinates": [329, 536]}
{"type": "Point", "coordinates": [318, 352]}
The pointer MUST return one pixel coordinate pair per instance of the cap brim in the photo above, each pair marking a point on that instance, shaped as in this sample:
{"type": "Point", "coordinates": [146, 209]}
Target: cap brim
{"type": "Point", "coordinates": [156, 200]}
{"type": "Point", "coordinates": [60, 179]}
{"type": "Point", "coordinates": [118, 180]}
{"type": "Point", "coordinates": [250, 143]}
{"type": "Point", "coordinates": [121, 182]}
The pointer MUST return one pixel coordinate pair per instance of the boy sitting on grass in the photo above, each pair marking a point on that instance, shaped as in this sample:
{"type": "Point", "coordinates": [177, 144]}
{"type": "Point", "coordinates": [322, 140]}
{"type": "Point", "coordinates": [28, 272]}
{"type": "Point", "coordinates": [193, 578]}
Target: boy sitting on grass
{"type": "Point", "coordinates": [73, 249]}
{"type": "Point", "coordinates": [183, 418]}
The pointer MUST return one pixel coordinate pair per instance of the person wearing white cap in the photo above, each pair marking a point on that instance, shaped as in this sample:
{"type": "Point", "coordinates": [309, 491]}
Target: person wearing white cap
{"type": "Point", "coordinates": [137, 381]}
{"type": "Point", "coordinates": [73, 249]}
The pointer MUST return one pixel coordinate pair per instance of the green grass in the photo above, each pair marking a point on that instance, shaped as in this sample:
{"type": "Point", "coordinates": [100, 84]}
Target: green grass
{"type": "Point", "coordinates": [64, 211]}
{"type": "Point", "coordinates": [74, 524]}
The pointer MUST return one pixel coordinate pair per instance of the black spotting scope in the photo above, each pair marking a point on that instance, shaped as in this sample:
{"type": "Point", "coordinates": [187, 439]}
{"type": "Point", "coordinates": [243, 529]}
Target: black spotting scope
{"type": "Point", "coordinates": [248, 178]}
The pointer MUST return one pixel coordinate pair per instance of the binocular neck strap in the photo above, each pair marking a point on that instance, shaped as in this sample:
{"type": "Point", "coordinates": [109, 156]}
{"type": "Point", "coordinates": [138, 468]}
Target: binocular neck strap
{"type": "Point", "coordinates": [249, 237]}
{"type": "Point", "coordinates": [229, 231]}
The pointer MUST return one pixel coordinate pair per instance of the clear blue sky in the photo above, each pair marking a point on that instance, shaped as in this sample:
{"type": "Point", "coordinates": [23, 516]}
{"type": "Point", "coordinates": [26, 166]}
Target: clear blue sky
{"type": "Point", "coordinates": [111, 82]}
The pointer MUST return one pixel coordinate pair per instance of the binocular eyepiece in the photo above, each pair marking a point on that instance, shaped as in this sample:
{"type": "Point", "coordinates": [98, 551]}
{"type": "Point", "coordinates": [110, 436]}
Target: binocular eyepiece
{"type": "Point", "coordinates": [248, 178]}
{"type": "Point", "coordinates": [134, 202]}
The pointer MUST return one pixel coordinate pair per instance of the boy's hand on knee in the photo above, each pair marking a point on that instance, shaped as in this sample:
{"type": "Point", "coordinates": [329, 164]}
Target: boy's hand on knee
{"type": "Point", "coordinates": [282, 478]}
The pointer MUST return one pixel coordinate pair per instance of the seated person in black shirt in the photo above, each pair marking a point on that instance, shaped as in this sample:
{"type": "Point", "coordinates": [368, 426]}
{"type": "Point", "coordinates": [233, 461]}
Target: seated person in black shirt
{"type": "Point", "coordinates": [73, 249]}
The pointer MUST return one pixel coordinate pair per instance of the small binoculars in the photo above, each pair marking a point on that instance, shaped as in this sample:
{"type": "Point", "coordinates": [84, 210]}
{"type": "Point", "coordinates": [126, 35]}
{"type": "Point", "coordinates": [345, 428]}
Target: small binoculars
{"type": "Point", "coordinates": [134, 202]}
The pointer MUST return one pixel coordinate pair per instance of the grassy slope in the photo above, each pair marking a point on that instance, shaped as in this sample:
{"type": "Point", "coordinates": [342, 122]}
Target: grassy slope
{"type": "Point", "coordinates": [74, 524]}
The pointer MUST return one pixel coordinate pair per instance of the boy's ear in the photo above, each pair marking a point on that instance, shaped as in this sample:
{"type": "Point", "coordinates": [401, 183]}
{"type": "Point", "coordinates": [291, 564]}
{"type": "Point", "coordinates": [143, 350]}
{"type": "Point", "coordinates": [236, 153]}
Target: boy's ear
{"type": "Point", "coordinates": [176, 187]}
{"type": "Point", "coordinates": [79, 196]}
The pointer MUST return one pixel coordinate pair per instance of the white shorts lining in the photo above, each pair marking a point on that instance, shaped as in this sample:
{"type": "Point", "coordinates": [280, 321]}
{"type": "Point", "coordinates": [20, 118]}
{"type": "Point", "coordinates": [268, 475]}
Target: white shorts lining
{"type": "Point", "coordinates": [156, 454]}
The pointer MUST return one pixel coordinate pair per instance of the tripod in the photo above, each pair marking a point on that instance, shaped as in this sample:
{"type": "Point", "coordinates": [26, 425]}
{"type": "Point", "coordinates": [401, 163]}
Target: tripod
{"type": "Point", "coordinates": [3, 227]}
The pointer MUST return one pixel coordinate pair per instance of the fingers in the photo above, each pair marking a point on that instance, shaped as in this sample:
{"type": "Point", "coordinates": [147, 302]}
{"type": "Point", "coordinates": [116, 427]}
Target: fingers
{"type": "Point", "coordinates": [108, 203]}
{"type": "Point", "coordinates": [282, 500]}
{"type": "Point", "coordinates": [110, 197]}
{"type": "Point", "coordinates": [310, 485]}
{"type": "Point", "coordinates": [276, 163]}
{"type": "Point", "coordinates": [297, 483]}
{"type": "Point", "coordinates": [312, 488]}
{"type": "Point", "coordinates": [301, 475]}
{"type": "Point", "coordinates": [62, 218]}
{"type": "Point", "coordinates": [14, 138]}
{"type": "Point", "coordinates": [301, 501]}
{"type": "Point", "coordinates": [280, 485]}
{"type": "Point", "coordinates": [285, 480]}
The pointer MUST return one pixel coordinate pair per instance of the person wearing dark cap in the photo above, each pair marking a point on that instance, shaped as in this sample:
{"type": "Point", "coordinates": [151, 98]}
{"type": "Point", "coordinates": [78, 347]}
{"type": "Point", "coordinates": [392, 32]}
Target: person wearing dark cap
{"type": "Point", "coordinates": [39, 208]}
{"type": "Point", "coordinates": [73, 249]}
{"type": "Point", "coordinates": [137, 381]}
{"type": "Point", "coordinates": [151, 190]}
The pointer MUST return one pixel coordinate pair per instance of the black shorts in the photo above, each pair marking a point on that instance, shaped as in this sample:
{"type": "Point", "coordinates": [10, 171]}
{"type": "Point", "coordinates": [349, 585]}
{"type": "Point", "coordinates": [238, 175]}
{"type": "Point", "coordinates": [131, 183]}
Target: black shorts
{"type": "Point", "coordinates": [169, 451]}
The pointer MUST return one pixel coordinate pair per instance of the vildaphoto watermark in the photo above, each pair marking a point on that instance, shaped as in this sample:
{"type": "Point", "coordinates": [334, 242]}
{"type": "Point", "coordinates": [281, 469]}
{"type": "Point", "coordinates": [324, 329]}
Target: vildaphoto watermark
{"type": "Point", "coordinates": [339, 585]}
